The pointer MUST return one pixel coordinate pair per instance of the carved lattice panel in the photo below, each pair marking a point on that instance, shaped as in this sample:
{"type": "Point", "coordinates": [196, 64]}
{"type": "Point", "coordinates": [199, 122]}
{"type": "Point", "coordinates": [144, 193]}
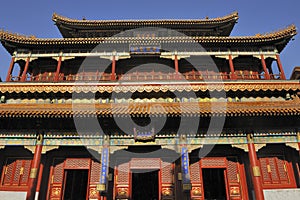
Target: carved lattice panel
{"type": "Point", "coordinates": [58, 171]}
{"type": "Point", "coordinates": [8, 172]}
{"type": "Point", "coordinates": [122, 180]}
{"type": "Point", "coordinates": [56, 180]}
{"type": "Point", "coordinates": [276, 171]}
{"type": "Point", "coordinates": [196, 180]}
{"type": "Point", "coordinates": [145, 163]}
{"type": "Point", "coordinates": [232, 171]}
{"type": "Point", "coordinates": [77, 163]}
{"type": "Point", "coordinates": [213, 162]}
{"type": "Point", "coordinates": [282, 169]}
{"type": "Point", "coordinates": [123, 173]}
{"type": "Point", "coordinates": [166, 172]}
{"type": "Point", "coordinates": [273, 170]}
{"type": "Point", "coordinates": [26, 172]}
{"type": "Point", "coordinates": [195, 172]}
{"type": "Point", "coordinates": [95, 172]}
{"type": "Point", "coordinates": [233, 175]}
{"type": "Point", "coordinates": [264, 170]}
{"type": "Point", "coordinates": [16, 172]}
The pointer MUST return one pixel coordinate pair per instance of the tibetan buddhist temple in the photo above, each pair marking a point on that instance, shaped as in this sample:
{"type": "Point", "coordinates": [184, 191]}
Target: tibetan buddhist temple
{"type": "Point", "coordinates": [166, 109]}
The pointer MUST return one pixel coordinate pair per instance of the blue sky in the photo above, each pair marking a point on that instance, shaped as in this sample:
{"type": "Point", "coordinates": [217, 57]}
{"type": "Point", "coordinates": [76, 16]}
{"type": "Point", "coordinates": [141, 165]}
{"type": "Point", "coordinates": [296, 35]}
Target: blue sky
{"type": "Point", "coordinates": [33, 17]}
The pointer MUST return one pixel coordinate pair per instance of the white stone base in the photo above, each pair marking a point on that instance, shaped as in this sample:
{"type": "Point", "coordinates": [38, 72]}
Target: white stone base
{"type": "Point", "coordinates": [11, 195]}
{"type": "Point", "coordinates": [282, 194]}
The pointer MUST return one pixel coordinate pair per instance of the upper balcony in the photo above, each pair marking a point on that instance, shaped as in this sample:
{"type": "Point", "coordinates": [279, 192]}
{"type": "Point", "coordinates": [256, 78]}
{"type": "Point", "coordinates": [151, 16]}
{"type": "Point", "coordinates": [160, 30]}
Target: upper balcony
{"type": "Point", "coordinates": [144, 76]}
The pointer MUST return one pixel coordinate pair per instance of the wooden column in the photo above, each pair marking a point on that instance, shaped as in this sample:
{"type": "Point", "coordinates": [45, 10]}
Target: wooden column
{"type": "Point", "coordinates": [280, 68]}
{"type": "Point", "coordinates": [23, 78]}
{"type": "Point", "coordinates": [10, 70]}
{"type": "Point", "coordinates": [113, 68]}
{"type": "Point", "coordinates": [254, 165]}
{"type": "Point", "coordinates": [39, 179]}
{"type": "Point", "coordinates": [263, 63]}
{"type": "Point", "coordinates": [32, 182]}
{"type": "Point", "coordinates": [58, 69]}
{"type": "Point", "coordinates": [233, 75]}
{"type": "Point", "coordinates": [176, 67]}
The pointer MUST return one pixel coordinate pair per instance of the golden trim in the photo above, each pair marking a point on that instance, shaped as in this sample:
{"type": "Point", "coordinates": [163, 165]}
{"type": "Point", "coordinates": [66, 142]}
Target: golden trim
{"type": "Point", "coordinates": [101, 187]}
{"type": "Point", "coordinates": [269, 169]}
{"type": "Point", "coordinates": [39, 139]}
{"type": "Point", "coordinates": [256, 171]}
{"type": "Point", "coordinates": [33, 173]}
{"type": "Point", "coordinates": [250, 138]}
{"type": "Point", "coordinates": [187, 186]}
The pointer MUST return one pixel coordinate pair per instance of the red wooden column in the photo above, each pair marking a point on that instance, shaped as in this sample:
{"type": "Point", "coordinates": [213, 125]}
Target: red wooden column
{"type": "Point", "coordinates": [280, 68]}
{"type": "Point", "coordinates": [39, 179]}
{"type": "Point", "coordinates": [255, 175]}
{"type": "Point", "coordinates": [25, 70]}
{"type": "Point", "coordinates": [113, 68]}
{"type": "Point", "coordinates": [35, 168]}
{"type": "Point", "coordinates": [176, 67]}
{"type": "Point", "coordinates": [233, 75]}
{"type": "Point", "coordinates": [263, 63]}
{"type": "Point", "coordinates": [11, 68]}
{"type": "Point", "coordinates": [58, 69]}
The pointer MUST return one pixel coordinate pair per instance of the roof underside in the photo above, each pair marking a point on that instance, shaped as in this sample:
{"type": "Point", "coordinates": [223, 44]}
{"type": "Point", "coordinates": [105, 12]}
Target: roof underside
{"type": "Point", "coordinates": [278, 39]}
{"type": "Point", "coordinates": [71, 28]}
{"type": "Point", "coordinates": [204, 109]}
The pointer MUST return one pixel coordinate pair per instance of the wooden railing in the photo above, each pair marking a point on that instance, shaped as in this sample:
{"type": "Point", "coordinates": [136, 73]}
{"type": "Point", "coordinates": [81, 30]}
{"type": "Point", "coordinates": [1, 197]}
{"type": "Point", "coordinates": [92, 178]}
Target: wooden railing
{"type": "Point", "coordinates": [146, 76]}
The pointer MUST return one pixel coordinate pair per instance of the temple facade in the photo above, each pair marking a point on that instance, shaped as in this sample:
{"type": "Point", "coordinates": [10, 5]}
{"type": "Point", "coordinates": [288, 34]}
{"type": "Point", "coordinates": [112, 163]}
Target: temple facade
{"type": "Point", "coordinates": [149, 110]}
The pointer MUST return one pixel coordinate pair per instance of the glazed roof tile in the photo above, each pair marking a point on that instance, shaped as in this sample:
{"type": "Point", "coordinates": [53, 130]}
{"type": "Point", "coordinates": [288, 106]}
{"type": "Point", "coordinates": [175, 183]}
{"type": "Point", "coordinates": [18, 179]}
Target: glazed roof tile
{"type": "Point", "coordinates": [153, 109]}
{"type": "Point", "coordinates": [84, 22]}
{"type": "Point", "coordinates": [31, 40]}
{"type": "Point", "coordinates": [78, 87]}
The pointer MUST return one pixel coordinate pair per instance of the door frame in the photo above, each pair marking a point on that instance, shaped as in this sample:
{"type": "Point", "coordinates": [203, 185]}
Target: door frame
{"type": "Point", "coordinates": [69, 167]}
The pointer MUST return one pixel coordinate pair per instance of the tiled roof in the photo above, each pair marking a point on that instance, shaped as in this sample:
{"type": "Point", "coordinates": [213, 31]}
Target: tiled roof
{"type": "Point", "coordinates": [65, 20]}
{"type": "Point", "coordinates": [272, 85]}
{"type": "Point", "coordinates": [154, 109]}
{"type": "Point", "coordinates": [31, 40]}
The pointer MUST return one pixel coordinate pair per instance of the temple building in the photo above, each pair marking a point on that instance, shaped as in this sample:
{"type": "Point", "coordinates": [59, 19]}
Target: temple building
{"type": "Point", "coordinates": [149, 110]}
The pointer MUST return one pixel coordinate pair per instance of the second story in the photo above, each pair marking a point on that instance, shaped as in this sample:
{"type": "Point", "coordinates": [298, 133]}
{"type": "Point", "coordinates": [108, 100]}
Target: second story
{"type": "Point", "coordinates": [146, 54]}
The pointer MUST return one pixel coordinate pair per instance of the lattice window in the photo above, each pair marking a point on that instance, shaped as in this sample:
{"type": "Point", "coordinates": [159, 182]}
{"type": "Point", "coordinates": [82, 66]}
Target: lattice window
{"type": "Point", "coordinates": [137, 163]}
{"type": "Point", "coordinates": [95, 172]}
{"type": "Point", "coordinates": [75, 163]}
{"type": "Point", "coordinates": [58, 171]}
{"type": "Point", "coordinates": [16, 172]}
{"type": "Point", "coordinates": [123, 173]}
{"type": "Point", "coordinates": [167, 172]}
{"type": "Point", "coordinates": [195, 172]}
{"type": "Point", "coordinates": [213, 162]}
{"type": "Point", "coordinates": [275, 171]}
{"type": "Point", "coordinates": [232, 171]}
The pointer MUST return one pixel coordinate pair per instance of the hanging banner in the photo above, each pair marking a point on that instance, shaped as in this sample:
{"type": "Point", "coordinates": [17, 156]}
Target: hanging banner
{"type": "Point", "coordinates": [186, 184]}
{"type": "Point", "coordinates": [104, 169]}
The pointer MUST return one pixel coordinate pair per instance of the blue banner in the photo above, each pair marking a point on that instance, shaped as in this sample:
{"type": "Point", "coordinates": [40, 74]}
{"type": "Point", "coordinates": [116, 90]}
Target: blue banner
{"type": "Point", "coordinates": [104, 165]}
{"type": "Point", "coordinates": [185, 165]}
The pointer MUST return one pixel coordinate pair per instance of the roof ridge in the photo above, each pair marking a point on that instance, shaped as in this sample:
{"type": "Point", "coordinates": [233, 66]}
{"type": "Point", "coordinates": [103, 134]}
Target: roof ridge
{"type": "Point", "coordinates": [57, 17]}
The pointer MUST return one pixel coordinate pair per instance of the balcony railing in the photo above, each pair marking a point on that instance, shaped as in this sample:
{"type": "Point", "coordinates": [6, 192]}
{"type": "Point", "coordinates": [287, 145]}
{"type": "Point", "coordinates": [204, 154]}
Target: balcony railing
{"type": "Point", "coordinates": [146, 76]}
